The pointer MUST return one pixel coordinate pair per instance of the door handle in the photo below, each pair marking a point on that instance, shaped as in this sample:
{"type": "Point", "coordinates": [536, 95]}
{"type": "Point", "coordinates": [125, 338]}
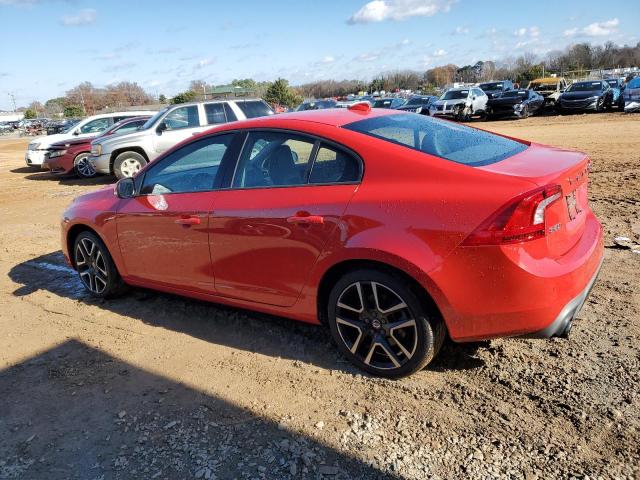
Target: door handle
{"type": "Point", "coordinates": [188, 220]}
{"type": "Point", "coordinates": [306, 219]}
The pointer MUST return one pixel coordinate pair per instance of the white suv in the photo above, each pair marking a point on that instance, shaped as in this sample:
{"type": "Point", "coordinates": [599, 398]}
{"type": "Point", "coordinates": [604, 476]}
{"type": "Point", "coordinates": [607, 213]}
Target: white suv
{"type": "Point", "coordinates": [460, 103]}
{"type": "Point", "coordinates": [89, 127]}
{"type": "Point", "coordinates": [125, 155]}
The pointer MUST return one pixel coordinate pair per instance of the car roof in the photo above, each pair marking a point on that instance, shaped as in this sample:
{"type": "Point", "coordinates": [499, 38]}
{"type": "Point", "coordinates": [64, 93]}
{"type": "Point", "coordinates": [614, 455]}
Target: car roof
{"type": "Point", "coordinates": [336, 117]}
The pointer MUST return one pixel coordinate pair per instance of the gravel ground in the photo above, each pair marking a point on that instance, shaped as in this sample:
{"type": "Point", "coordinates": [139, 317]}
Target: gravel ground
{"type": "Point", "coordinates": [161, 387]}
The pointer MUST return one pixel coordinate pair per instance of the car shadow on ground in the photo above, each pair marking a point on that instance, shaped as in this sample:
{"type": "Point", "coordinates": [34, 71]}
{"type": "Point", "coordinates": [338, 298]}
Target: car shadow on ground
{"type": "Point", "coordinates": [76, 412]}
{"type": "Point", "coordinates": [70, 180]}
{"type": "Point", "coordinates": [214, 323]}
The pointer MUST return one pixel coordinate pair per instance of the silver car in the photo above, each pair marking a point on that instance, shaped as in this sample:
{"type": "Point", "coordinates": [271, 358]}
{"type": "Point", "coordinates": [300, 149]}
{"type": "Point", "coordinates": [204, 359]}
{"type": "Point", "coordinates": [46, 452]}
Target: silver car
{"type": "Point", "coordinates": [460, 103]}
{"type": "Point", "coordinates": [125, 155]}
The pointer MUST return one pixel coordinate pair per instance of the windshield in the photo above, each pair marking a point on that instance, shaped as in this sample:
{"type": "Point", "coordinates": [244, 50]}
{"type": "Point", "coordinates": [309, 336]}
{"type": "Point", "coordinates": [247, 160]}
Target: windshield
{"type": "Point", "coordinates": [515, 93]}
{"type": "Point", "coordinates": [69, 125]}
{"type": "Point", "coordinates": [491, 86]}
{"type": "Point", "coordinates": [149, 123]}
{"type": "Point", "coordinates": [585, 87]}
{"type": "Point", "coordinates": [455, 94]}
{"type": "Point", "coordinates": [418, 101]}
{"type": "Point", "coordinates": [446, 140]}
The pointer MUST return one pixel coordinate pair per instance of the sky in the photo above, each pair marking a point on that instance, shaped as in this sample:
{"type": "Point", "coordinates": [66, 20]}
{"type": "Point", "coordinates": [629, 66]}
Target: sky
{"type": "Point", "coordinates": [49, 46]}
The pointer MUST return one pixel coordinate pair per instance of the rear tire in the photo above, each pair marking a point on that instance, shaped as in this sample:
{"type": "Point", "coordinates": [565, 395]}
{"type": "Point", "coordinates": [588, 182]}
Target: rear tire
{"type": "Point", "coordinates": [382, 325]}
{"type": "Point", "coordinates": [127, 164]}
{"type": "Point", "coordinates": [83, 167]}
{"type": "Point", "coordinates": [95, 267]}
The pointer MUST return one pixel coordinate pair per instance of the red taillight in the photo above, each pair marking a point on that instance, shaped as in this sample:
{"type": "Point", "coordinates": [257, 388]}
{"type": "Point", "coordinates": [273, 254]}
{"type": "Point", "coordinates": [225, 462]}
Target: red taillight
{"type": "Point", "coordinates": [520, 220]}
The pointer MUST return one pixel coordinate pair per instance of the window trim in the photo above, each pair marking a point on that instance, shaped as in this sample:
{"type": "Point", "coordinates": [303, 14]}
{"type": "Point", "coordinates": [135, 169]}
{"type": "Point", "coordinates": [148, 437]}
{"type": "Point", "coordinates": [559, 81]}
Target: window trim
{"type": "Point", "coordinates": [218, 183]}
{"type": "Point", "coordinates": [318, 140]}
{"type": "Point", "coordinates": [162, 120]}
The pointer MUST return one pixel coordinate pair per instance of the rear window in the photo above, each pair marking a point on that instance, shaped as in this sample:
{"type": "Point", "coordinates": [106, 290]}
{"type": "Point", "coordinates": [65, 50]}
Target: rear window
{"type": "Point", "coordinates": [447, 140]}
{"type": "Point", "coordinates": [253, 109]}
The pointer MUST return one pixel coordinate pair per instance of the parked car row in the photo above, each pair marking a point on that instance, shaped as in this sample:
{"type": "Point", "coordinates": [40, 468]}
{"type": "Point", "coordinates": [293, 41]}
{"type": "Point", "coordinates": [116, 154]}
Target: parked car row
{"type": "Point", "coordinates": [121, 143]}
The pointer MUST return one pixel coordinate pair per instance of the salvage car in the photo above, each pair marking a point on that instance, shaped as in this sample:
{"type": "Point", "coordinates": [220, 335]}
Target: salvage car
{"type": "Point", "coordinates": [494, 89]}
{"type": "Point", "coordinates": [316, 105]}
{"type": "Point", "coordinates": [60, 126]}
{"type": "Point", "coordinates": [72, 156]}
{"type": "Point", "coordinates": [631, 96]}
{"type": "Point", "coordinates": [87, 128]}
{"type": "Point", "coordinates": [550, 88]}
{"type": "Point", "coordinates": [418, 104]}
{"type": "Point", "coordinates": [617, 86]}
{"type": "Point", "coordinates": [589, 95]}
{"type": "Point", "coordinates": [124, 155]}
{"type": "Point", "coordinates": [460, 104]}
{"type": "Point", "coordinates": [515, 103]}
{"type": "Point", "coordinates": [465, 234]}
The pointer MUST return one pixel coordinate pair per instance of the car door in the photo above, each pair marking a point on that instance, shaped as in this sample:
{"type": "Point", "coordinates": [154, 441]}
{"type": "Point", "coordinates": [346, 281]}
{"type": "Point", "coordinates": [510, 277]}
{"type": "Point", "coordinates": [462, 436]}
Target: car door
{"type": "Point", "coordinates": [285, 201]}
{"type": "Point", "coordinates": [177, 125]}
{"type": "Point", "coordinates": [163, 232]}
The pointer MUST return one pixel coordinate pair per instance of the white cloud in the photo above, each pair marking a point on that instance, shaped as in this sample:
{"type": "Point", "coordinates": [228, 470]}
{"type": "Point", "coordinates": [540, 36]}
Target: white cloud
{"type": "Point", "coordinates": [85, 16]}
{"type": "Point", "coordinates": [439, 53]}
{"type": "Point", "coordinates": [596, 29]}
{"type": "Point", "coordinates": [460, 30]}
{"type": "Point", "coordinates": [380, 10]}
{"type": "Point", "coordinates": [328, 59]}
{"type": "Point", "coordinates": [368, 57]}
{"type": "Point", "coordinates": [204, 62]}
{"type": "Point", "coordinates": [532, 32]}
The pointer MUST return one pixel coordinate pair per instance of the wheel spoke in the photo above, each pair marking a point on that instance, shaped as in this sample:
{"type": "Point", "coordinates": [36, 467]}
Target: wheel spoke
{"type": "Point", "coordinates": [367, 359]}
{"type": "Point", "coordinates": [388, 349]}
{"type": "Point", "coordinates": [401, 324]}
{"type": "Point", "coordinates": [100, 260]}
{"type": "Point", "coordinates": [341, 304]}
{"type": "Point", "coordinates": [97, 278]}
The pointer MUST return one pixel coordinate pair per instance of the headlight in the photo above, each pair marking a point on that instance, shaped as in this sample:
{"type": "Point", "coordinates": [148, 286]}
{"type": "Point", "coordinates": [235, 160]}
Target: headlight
{"type": "Point", "coordinates": [518, 106]}
{"type": "Point", "coordinates": [57, 153]}
{"type": "Point", "coordinates": [96, 150]}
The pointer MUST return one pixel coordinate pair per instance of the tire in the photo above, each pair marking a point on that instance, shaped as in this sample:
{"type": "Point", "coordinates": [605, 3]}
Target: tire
{"type": "Point", "coordinates": [82, 167]}
{"type": "Point", "coordinates": [362, 328]}
{"type": "Point", "coordinates": [600, 106]}
{"type": "Point", "coordinates": [95, 267]}
{"type": "Point", "coordinates": [525, 112]}
{"type": "Point", "coordinates": [128, 164]}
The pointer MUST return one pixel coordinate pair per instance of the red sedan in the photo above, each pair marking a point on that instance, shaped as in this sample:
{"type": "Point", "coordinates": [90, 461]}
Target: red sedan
{"type": "Point", "coordinates": [393, 229]}
{"type": "Point", "coordinates": [72, 156]}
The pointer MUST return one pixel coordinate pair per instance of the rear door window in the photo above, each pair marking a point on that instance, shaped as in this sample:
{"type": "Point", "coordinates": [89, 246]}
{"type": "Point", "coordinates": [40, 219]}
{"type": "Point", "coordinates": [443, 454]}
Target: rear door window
{"type": "Point", "coordinates": [333, 165]}
{"type": "Point", "coordinates": [215, 113]}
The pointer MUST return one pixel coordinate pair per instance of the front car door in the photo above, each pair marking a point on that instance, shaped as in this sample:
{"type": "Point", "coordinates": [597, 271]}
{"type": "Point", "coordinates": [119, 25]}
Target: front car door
{"type": "Point", "coordinates": [178, 124]}
{"type": "Point", "coordinates": [163, 232]}
{"type": "Point", "coordinates": [286, 199]}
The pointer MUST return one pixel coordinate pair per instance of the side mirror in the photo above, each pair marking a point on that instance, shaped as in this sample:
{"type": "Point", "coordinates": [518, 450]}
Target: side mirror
{"type": "Point", "coordinates": [473, 98]}
{"type": "Point", "coordinates": [125, 188]}
{"type": "Point", "coordinates": [76, 131]}
{"type": "Point", "coordinates": [161, 128]}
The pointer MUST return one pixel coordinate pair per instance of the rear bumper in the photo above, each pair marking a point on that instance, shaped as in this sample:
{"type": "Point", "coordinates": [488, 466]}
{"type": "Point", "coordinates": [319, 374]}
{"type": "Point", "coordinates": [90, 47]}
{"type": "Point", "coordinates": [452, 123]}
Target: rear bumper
{"type": "Point", "coordinates": [492, 292]}
{"type": "Point", "coordinates": [562, 324]}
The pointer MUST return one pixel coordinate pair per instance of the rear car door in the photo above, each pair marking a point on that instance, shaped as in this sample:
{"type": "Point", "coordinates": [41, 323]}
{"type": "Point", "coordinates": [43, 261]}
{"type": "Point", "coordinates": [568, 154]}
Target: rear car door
{"type": "Point", "coordinates": [285, 200]}
{"type": "Point", "coordinates": [163, 232]}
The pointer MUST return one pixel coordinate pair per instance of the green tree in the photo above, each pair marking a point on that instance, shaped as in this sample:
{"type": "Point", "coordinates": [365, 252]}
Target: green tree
{"type": "Point", "coordinates": [73, 111]}
{"type": "Point", "coordinates": [248, 83]}
{"type": "Point", "coordinates": [162, 98]}
{"type": "Point", "coordinates": [30, 113]}
{"type": "Point", "coordinates": [184, 97]}
{"type": "Point", "coordinates": [280, 93]}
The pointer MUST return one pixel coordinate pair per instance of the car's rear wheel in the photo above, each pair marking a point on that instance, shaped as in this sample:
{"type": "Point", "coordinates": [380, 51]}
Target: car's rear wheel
{"type": "Point", "coordinates": [127, 164]}
{"type": "Point", "coordinates": [381, 325]}
{"type": "Point", "coordinates": [83, 167]}
{"type": "Point", "coordinates": [95, 266]}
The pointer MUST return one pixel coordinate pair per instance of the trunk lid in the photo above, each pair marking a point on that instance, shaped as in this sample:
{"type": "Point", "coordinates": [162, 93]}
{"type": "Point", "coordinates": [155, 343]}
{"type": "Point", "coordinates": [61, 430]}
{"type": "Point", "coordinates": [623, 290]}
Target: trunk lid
{"type": "Point", "coordinates": [542, 165]}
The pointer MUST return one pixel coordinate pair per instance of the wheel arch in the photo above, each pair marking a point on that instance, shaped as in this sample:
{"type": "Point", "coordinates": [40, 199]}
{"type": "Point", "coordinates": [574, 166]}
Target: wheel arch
{"type": "Point", "coordinates": [73, 233]}
{"type": "Point", "coordinates": [118, 151]}
{"type": "Point", "coordinates": [331, 276]}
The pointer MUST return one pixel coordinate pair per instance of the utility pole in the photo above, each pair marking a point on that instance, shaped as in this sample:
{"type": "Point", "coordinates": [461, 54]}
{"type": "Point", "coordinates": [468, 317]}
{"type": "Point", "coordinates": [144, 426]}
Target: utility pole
{"type": "Point", "coordinates": [13, 100]}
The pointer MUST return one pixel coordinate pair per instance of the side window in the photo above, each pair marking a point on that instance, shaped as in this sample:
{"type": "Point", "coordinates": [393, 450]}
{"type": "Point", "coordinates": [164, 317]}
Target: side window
{"type": "Point", "coordinates": [95, 126]}
{"type": "Point", "coordinates": [254, 108]}
{"type": "Point", "coordinates": [273, 159]}
{"type": "Point", "coordinates": [334, 166]}
{"type": "Point", "coordinates": [215, 113]}
{"type": "Point", "coordinates": [118, 119]}
{"type": "Point", "coordinates": [130, 127]}
{"type": "Point", "coordinates": [182, 117]}
{"type": "Point", "coordinates": [193, 168]}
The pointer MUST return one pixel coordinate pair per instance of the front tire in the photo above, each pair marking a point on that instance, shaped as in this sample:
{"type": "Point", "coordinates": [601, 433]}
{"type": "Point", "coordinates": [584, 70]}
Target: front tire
{"type": "Point", "coordinates": [83, 167]}
{"type": "Point", "coordinates": [95, 267]}
{"type": "Point", "coordinates": [381, 325]}
{"type": "Point", "coordinates": [127, 164]}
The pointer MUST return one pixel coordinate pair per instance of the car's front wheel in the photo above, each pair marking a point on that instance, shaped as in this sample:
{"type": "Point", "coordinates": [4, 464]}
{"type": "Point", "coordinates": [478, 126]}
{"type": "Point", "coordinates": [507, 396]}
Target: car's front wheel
{"type": "Point", "coordinates": [83, 167]}
{"type": "Point", "coordinates": [381, 325]}
{"type": "Point", "coordinates": [127, 164]}
{"type": "Point", "coordinates": [97, 271]}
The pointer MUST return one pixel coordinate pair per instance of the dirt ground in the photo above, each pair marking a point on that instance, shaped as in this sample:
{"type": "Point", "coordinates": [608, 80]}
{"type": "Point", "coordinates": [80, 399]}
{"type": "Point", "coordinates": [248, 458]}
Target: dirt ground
{"type": "Point", "coordinates": [156, 386]}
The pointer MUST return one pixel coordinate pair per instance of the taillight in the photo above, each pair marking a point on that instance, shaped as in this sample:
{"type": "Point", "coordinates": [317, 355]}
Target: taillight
{"type": "Point", "coordinates": [520, 220]}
